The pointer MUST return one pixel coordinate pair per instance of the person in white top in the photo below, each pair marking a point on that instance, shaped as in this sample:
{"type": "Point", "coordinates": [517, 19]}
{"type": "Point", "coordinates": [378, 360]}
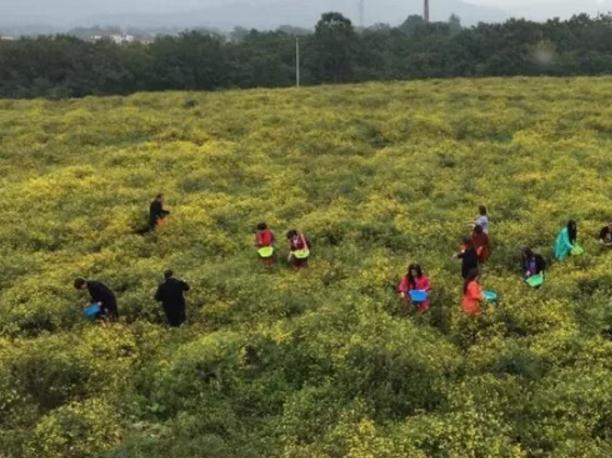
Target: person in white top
{"type": "Point", "coordinates": [482, 220]}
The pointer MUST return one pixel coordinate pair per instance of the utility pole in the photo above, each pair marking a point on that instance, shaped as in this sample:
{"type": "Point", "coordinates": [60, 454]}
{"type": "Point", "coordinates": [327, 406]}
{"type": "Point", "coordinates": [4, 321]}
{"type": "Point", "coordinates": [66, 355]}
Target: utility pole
{"type": "Point", "coordinates": [426, 10]}
{"type": "Point", "coordinates": [297, 61]}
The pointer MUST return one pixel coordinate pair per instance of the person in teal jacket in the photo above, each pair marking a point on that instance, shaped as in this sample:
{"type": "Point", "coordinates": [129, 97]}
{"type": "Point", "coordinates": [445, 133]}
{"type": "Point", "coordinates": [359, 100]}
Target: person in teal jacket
{"type": "Point", "coordinates": [566, 240]}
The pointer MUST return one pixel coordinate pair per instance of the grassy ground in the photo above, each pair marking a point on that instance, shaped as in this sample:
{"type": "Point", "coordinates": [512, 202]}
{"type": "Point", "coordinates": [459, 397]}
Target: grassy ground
{"type": "Point", "coordinates": [378, 176]}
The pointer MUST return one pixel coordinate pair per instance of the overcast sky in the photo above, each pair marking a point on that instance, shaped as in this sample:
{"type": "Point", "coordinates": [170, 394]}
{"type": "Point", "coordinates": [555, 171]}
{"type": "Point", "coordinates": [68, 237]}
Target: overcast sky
{"type": "Point", "coordinates": [227, 13]}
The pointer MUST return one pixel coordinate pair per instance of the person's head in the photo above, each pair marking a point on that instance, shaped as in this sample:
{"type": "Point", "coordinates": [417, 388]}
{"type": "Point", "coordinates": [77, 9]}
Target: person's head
{"type": "Point", "coordinates": [478, 229]}
{"type": "Point", "coordinates": [415, 271]}
{"type": "Point", "coordinates": [471, 276]}
{"type": "Point", "coordinates": [572, 228]}
{"type": "Point", "coordinates": [168, 274]}
{"type": "Point", "coordinates": [80, 283]}
{"type": "Point", "coordinates": [482, 210]}
{"type": "Point", "coordinates": [527, 253]}
{"type": "Point", "coordinates": [467, 241]}
{"type": "Point", "coordinates": [292, 234]}
{"type": "Point", "coordinates": [262, 226]}
{"type": "Point", "coordinates": [159, 197]}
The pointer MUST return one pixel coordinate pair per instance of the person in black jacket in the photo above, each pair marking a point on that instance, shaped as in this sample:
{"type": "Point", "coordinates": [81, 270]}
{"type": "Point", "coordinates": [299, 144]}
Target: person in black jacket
{"type": "Point", "coordinates": [532, 263]}
{"type": "Point", "coordinates": [171, 294]}
{"type": "Point", "coordinates": [468, 256]}
{"type": "Point", "coordinates": [157, 212]}
{"type": "Point", "coordinates": [101, 293]}
{"type": "Point", "coordinates": [605, 235]}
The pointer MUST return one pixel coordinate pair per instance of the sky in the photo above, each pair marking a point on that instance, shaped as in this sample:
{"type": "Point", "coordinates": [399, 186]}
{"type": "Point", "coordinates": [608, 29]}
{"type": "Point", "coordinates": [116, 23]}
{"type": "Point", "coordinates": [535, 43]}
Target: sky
{"type": "Point", "coordinates": [225, 14]}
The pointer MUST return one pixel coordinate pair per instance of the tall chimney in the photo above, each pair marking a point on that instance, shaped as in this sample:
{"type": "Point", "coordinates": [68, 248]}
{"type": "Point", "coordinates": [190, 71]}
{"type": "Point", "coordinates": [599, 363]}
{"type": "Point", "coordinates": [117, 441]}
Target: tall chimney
{"type": "Point", "coordinates": [426, 10]}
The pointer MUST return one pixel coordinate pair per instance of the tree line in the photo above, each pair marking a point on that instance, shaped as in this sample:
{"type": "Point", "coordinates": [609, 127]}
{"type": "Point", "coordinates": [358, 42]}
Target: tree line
{"type": "Point", "coordinates": [336, 52]}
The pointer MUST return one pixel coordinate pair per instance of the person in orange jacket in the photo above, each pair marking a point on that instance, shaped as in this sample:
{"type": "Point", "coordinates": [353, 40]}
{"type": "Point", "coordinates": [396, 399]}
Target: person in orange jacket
{"type": "Point", "coordinates": [472, 294]}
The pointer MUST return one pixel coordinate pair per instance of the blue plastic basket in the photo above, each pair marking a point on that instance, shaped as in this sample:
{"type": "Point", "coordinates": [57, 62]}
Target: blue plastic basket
{"type": "Point", "coordinates": [418, 296]}
{"type": "Point", "coordinates": [490, 296]}
{"type": "Point", "coordinates": [92, 311]}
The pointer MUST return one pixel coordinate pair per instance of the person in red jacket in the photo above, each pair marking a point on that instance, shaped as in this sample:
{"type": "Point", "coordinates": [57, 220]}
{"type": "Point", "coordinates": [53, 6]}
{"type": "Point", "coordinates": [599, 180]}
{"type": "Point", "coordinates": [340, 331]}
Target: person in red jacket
{"type": "Point", "coordinates": [414, 279]}
{"type": "Point", "coordinates": [264, 241]}
{"type": "Point", "coordinates": [299, 249]}
{"type": "Point", "coordinates": [472, 294]}
{"type": "Point", "coordinates": [481, 244]}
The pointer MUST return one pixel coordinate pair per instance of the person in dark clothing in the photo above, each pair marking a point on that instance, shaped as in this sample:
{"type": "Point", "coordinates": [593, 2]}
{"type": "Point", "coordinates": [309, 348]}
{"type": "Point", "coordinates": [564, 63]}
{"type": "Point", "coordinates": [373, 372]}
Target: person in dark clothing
{"type": "Point", "coordinates": [100, 293]}
{"type": "Point", "coordinates": [468, 256]}
{"type": "Point", "coordinates": [171, 294]}
{"type": "Point", "coordinates": [605, 235]}
{"type": "Point", "coordinates": [532, 263]}
{"type": "Point", "coordinates": [156, 212]}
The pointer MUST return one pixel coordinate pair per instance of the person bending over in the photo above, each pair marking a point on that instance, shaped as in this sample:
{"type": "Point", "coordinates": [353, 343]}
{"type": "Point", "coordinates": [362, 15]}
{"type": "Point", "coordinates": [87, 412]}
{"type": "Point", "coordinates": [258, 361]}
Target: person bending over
{"type": "Point", "coordinates": [532, 263]}
{"type": "Point", "coordinates": [171, 294]}
{"type": "Point", "coordinates": [102, 294]}
{"type": "Point", "coordinates": [605, 235]}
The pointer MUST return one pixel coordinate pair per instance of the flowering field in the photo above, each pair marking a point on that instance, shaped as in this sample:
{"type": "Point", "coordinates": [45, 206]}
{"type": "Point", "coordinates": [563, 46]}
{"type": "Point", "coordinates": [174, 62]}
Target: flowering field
{"type": "Point", "coordinates": [324, 362]}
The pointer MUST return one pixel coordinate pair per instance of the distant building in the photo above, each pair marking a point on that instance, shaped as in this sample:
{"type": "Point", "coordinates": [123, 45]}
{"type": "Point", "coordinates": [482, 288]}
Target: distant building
{"type": "Point", "coordinates": [119, 39]}
{"type": "Point", "coordinates": [6, 38]}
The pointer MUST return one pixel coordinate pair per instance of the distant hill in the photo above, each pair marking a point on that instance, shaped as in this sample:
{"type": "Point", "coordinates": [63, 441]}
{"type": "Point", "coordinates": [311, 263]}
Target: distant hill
{"type": "Point", "coordinates": [274, 13]}
{"type": "Point", "coordinates": [262, 14]}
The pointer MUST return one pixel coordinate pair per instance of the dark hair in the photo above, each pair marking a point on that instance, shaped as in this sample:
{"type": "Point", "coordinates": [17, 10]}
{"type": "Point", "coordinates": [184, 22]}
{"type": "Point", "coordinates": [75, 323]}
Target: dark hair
{"type": "Point", "coordinates": [159, 196]}
{"type": "Point", "coordinates": [572, 229]}
{"type": "Point", "coordinates": [262, 226]}
{"type": "Point", "coordinates": [527, 253]}
{"type": "Point", "coordinates": [468, 241]}
{"type": "Point", "coordinates": [168, 274]}
{"type": "Point", "coordinates": [79, 282]}
{"type": "Point", "coordinates": [483, 210]}
{"type": "Point", "coordinates": [471, 276]}
{"type": "Point", "coordinates": [478, 229]}
{"type": "Point", "coordinates": [292, 233]}
{"type": "Point", "coordinates": [411, 279]}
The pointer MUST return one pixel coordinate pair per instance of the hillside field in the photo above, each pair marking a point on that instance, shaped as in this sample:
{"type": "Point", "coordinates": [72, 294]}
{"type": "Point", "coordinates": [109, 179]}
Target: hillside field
{"type": "Point", "coordinates": [324, 362]}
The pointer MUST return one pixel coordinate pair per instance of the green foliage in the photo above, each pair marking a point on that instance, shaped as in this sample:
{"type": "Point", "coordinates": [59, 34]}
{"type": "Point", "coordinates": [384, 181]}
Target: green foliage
{"type": "Point", "coordinates": [64, 66]}
{"type": "Point", "coordinates": [325, 362]}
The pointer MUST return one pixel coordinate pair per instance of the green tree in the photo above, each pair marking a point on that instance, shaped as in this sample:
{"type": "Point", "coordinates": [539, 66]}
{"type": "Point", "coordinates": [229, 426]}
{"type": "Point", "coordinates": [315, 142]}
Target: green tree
{"type": "Point", "coordinates": [334, 42]}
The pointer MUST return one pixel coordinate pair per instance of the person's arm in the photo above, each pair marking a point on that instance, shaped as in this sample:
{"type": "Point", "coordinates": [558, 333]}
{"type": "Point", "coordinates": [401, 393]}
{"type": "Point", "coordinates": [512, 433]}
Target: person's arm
{"type": "Point", "coordinates": [402, 288]}
{"type": "Point", "coordinates": [426, 284]}
{"type": "Point", "coordinates": [185, 286]}
{"type": "Point", "coordinates": [158, 294]}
